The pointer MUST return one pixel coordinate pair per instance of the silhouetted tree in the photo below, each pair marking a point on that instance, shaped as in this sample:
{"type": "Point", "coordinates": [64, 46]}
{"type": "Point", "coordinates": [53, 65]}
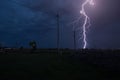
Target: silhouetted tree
{"type": "Point", "coordinates": [21, 48]}
{"type": "Point", "coordinates": [33, 44]}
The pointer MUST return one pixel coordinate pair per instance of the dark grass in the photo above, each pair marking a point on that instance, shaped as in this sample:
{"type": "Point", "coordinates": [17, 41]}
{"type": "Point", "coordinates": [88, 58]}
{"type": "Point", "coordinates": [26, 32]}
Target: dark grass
{"type": "Point", "coordinates": [66, 65]}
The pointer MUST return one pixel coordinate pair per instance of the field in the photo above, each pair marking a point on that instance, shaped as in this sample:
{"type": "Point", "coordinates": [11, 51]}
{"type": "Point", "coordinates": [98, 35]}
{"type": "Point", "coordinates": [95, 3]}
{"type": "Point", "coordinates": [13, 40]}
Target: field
{"type": "Point", "coordinates": [47, 64]}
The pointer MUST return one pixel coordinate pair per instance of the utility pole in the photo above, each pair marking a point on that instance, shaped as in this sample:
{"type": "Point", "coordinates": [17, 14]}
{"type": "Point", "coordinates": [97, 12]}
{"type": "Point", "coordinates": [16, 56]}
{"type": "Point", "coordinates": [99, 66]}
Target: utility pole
{"type": "Point", "coordinates": [74, 40]}
{"type": "Point", "coordinates": [58, 32]}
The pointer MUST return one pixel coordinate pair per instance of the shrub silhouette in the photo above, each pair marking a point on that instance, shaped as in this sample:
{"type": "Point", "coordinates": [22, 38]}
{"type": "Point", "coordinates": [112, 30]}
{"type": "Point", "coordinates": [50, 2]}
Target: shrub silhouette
{"type": "Point", "coordinates": [33, 45]}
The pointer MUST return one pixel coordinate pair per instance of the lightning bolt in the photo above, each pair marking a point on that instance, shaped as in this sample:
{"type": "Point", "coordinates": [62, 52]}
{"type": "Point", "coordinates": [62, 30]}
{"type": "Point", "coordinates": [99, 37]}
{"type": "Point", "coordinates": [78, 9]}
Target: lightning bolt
{"type": "Point", "coordinates": [87, 20]}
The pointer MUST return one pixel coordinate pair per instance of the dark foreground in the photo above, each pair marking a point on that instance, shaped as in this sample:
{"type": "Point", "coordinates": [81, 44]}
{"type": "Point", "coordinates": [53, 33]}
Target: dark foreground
{"type": "Point", "coordinates": [67, 65]}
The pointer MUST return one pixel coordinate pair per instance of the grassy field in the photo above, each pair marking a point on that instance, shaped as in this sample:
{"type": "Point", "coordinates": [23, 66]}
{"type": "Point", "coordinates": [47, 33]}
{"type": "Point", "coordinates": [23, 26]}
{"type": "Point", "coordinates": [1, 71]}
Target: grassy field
{"type": "Point", "coordinates": [66, 65]}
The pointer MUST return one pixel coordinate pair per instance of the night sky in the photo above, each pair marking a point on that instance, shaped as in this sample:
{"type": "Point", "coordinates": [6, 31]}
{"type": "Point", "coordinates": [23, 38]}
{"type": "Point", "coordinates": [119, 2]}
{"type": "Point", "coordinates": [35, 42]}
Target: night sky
{"type": "Point", "coordinates": [22, 21]}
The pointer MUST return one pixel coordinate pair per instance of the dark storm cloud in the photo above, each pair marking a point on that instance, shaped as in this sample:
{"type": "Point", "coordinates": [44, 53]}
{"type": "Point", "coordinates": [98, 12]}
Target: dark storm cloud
{"type": "Point", "coordinates": [17, 21]}
{"type": "Point", "coordinates": [30, 19]}
{"type": "Point", "coordinates": [50, 5]}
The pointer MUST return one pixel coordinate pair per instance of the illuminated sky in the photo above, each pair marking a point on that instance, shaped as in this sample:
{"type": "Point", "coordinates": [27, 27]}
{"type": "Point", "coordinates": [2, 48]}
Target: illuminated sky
{"type": "Point", "coordinates": [24, 20]}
